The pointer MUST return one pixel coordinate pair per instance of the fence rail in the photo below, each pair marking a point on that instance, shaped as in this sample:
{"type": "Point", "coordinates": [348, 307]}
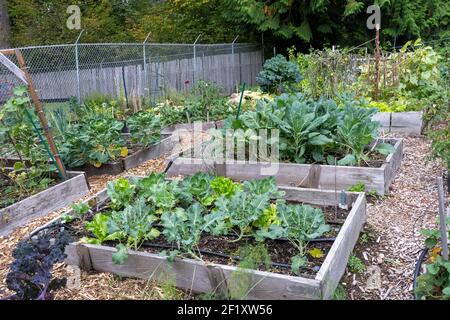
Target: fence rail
{"type": "Point", "coordinates": [133, 71]}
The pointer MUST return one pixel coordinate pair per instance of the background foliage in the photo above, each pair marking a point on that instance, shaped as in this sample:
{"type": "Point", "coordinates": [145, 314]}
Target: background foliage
{"type": "Point", "coordinates": [284, 23]}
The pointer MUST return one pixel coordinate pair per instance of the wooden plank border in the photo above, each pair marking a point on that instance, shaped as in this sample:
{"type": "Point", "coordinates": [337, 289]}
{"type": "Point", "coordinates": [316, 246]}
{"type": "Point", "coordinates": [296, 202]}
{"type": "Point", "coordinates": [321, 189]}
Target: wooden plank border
{"type": "Point", "coordinates": [189, 127]}
{"type": "Point", "coordinates": [44, 202]}
{"type": "Point", "coordinates": [300, 175]}
{"type": "Point", "coordinates": [410, 122]}
{"type": "Point", "coordinates": [201, 277]}
{"type": "Point", "coordinates": [165, 146]}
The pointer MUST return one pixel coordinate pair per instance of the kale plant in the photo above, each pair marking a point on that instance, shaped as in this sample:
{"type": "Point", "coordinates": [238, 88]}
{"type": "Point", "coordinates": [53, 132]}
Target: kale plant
{"type": "Point", "coordinates": [30, 275]}
{"type": "Point", "coordinates": [278, 75]}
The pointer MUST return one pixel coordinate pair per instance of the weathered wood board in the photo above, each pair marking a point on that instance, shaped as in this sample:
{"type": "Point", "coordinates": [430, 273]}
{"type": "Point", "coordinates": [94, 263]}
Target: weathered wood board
{"type": "Point", "coordinates": [155, 151]}
{"type": "Point", "coordinates": [300, 175]}
{"type": "Point", "coordinates": [42, 203]}
{"type": "Point", "coordinates": [165, 146]}
{"type": "Point", "coordinates": [202, 277]}
{"type": "Point", "coordinates": [400, 122]}
{"type": "Point", "coordinates": [189, 127]}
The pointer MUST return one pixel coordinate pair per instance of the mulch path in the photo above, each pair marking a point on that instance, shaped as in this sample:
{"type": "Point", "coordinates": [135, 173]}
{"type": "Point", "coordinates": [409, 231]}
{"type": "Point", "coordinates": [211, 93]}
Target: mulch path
{"type": "Point", "coordinates": [393, 227]}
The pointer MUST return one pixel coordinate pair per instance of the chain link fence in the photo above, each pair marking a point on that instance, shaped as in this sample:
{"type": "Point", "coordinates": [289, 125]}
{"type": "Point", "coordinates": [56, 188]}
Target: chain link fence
{"type": "Point", "coordinates": [133, 72]}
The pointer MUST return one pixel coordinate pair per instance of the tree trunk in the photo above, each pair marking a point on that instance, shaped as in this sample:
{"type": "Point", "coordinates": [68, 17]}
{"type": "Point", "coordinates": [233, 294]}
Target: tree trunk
{"type": "Point", "coordinates": [4, 25]}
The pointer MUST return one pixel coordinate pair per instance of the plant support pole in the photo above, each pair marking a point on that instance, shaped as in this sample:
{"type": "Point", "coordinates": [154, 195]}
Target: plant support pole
{"type": "Point", "coordinates": [40, 113]}
{"type": "Point", "coordinates": [195, 59]}
{"type": "Point", "coordinates": [377, 60]}
{"type": "Point", "coordinates": [442, 218]}
{"type": "Point", "coordinates": [77, 65]}
{"type": "Point", "coordinates": [146, 81]}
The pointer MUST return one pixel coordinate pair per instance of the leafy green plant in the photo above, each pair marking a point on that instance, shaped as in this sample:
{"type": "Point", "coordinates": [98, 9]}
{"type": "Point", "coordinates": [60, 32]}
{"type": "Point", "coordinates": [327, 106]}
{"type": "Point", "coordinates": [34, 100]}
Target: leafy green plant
{"type": "Point", "coordinates": [145, 128]}
{"type": "Point", "coordinates": [99, 228]}
{"type": "Point", "coordinates": [435, 283]}
{"type": "Point", "coordinates": [278, 75]}
{"type": "Point", "coordinates": [355, 264]}
{"type": "Point", "coordinates": [239, 211]}
{"type": "Point", "coordinates": [184, 228]}
{"type": "Point", "coordinates": [198, 205]}
{"type": "Point", "coordinates": [315, 131]}
{"type": "Point", "coordinates": [95, 140]}
{"type": "Point", "coordinates": [357, 187]}
{"type": "Point", "coordinates": [134, 223]}
{"type": "Point", "coordinates": [121, 193]}
{"type": "Point", "coordinates": [299, 224]}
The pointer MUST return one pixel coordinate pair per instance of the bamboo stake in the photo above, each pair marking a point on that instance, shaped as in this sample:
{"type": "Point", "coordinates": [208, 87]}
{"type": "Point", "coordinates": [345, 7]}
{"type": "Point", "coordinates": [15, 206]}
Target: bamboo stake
{"type": "Point", "coordinates": [40, 113]}
{"type": "Point", "coordinates": [442, 218]}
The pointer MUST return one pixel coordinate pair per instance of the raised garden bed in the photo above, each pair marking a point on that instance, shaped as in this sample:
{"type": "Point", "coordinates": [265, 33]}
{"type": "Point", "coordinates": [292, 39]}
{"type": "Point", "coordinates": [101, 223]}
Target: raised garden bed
{"type": "Point", "coordinates": [164, 146]}
{"type": "Point", "coordinates": [300, 175]}
{"type": "Point", "coordinates": [189, 127]}
{"type": "Point", "coordinates": [400, 122]}
{"type": "Point", "coordinates": [209, 276]}
{"type": "Point", "coordinates": [44, 202]}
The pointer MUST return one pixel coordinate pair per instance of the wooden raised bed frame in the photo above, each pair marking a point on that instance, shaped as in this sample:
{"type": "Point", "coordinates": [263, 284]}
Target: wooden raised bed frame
{"type": "Point", "coordinates": [154, 151]}
{"type": "Point", "coordinates": [201, 277]}
{"type": "Point", "coordinates": [44, 202]}
{"type": "Point", "coordinates": [301, 175]}
{"type": "Point", "coordinates": [400, 122]}
{"type": "Point", "coordinates": [164, 146]}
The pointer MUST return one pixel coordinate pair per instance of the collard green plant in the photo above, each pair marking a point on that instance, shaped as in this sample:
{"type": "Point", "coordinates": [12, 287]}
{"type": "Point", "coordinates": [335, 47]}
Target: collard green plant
{"type": "Point", "coordinates": [96, 140]}
{"type": "Point", "coordinates": [239, 212]}
{"type": "Point", "coordinates": [278, 75]}
{"type": "Point", "coordinates": [145, 128]}
{"type": "Point", "coordinates": [315, 131]}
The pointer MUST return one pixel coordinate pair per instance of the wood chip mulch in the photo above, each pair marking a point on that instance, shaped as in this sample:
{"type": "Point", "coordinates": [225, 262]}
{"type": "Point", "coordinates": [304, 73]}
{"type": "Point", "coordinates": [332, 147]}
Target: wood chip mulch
{"type": "Point", "coordinates": [393, 223]}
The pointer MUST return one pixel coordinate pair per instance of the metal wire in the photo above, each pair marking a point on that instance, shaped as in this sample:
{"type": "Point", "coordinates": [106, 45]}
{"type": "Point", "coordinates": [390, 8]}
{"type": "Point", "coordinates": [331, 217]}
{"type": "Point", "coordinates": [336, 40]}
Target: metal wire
{"type": "Point", "coordinates": [61, 72]}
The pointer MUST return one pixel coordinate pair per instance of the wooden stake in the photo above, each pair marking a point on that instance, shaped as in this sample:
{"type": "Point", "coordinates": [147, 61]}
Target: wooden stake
{"type": "Point", "coordinates": [442, 218]}
{"type": "Point", "coordinates": [40, 113]}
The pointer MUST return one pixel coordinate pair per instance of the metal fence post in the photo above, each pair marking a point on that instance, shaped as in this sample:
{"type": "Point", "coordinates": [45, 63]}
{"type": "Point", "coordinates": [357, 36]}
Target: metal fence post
{"type": "Point", "coordinates": [195, 60]}
{"type": "Point", "coordinates": [234, 59]}
{"type": "Point", "coordinates": [146, 87]}
{"type": "Point", "coordinates": [77, 64]}
{"type": "Point", "coordinates": [232, 45]}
